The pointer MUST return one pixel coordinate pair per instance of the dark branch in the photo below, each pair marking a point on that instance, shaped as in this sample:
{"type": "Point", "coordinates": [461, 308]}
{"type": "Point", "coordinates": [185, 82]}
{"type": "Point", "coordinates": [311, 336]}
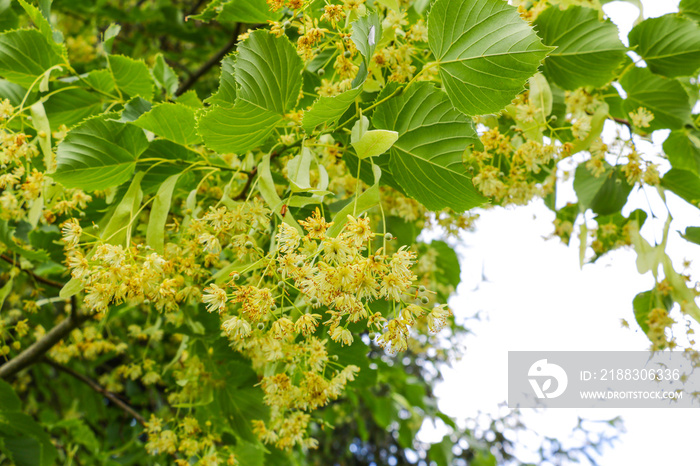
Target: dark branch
{"type": "Point", "coordinates": [213, 61]}
{"type": "Point", "coordinates": [244, 192]}
{"type": "Point", "coordinates": [623, 122]}
{"type": "Point", "coordinates": [37, 350]}
{"type": "Point", "coordinates": [36, 277]}
{"type": "Point", "coordinates": [98, 388]}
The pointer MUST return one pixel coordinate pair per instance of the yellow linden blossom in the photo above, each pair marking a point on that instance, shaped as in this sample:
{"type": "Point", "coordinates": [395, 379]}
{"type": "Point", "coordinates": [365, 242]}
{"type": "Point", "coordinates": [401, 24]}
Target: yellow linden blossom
{"type": "Point", "coordinates": [6, 109]}
{"type": "Point", "coordinates": [316, 225]}
{"type": "Point", "coordinates": [333, 14]}
{"type": "Point", "coordinates": [358, 230]}
{"type": "Point", "coordinates": [71, 231]}
{"type": "Point", "coordinates": [642, 117]}
{"type": "Point", "coordinates": [276, 5]}
{"type": "Point", "coordinates": [215, 298]}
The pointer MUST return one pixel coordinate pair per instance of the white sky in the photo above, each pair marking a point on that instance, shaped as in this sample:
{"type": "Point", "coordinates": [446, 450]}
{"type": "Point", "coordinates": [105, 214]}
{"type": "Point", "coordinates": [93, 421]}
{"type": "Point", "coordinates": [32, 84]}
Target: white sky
{"type": "Point", "coordinates": [537, 298]}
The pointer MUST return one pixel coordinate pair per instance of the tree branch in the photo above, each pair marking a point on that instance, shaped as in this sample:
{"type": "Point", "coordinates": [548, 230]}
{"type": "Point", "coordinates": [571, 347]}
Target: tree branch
{"type": "Point", "coordinates": [213, 61]}
{"type": "Point", "coordinates": [37, 350]}
{"type": "Point", "coordinates": [98, 388]}
{"type": "Point", "coordinates": [36, 277]}
{"type": "Point", "coordinates": [623, 122]}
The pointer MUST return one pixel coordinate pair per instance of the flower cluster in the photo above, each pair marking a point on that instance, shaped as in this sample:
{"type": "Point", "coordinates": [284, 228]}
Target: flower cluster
{"type": "Point", "coordinates": [279, 319]}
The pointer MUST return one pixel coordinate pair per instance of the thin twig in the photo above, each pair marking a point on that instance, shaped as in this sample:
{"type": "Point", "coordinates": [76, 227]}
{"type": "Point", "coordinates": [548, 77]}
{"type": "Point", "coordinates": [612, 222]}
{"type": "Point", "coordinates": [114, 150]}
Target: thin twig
{"type": "Point", "coordinates": [36, 277]}
{"type": "Point", "coordinates": [98, 388]}
{"type": "Point", "coordinates": [623, 122]}
{"type": "Point", "coordinates": [251, 175]}
{"type": "Point", "coordinates": [244, 192]}
{"type": "Point", "coordinates": [37, 350]}
{"type": "Point", "coordinates": [209, 64]}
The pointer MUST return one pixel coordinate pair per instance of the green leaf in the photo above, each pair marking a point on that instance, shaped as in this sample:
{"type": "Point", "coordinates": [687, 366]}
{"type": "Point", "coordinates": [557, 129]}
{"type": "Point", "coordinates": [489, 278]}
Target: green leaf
{"type": "Point", "coordinates": [209, 12]}
{"type": "Point", "coordinates": [605, 194]}
{"type": "Point", "coordinates": [131, 76]}
{"type": "Point", "coordinates": [175, 122]}
{"type": "Point", "coordinates": [53, 37]}
{"type": "Point", "coordinates": [110, 34]}
{"type": "Point", "coordinates": [156, 173]}
{"type": "Point", "coordinates": [690, 9]}
{"type": "Point", "coordinates": [165, 76]}
{"type": "Point", "coordinates": [240, 406]}
{"type": "Point", "coordinates": [6, 238]}
{"type": "Point", "coordinates": [588, 51]}
{"type": "Point", "coordinates": [692, 234]}
{"type": "Point", "coordinates": [98, 154]}
{"type": "Point", "coordinates": [80, 432]}
{"type": "Point", "coordinates": [13, 92]}
{"type": "Point", "coordinates": [134, 109]}
{"type": "Point", "coordinates": [486, 52]}
{"type": "Point", "coordinates": [249, 453]}
{"type": "Point", "coordinates": [327, 110]}
{"type": "Point", "coordinates": [25, 440]}
{"type": "Point", "coordinates": [155, 233]}
{"type": "Point", "coordinates": [483, 458]}
{"type": "Point", "coordinates": [190, 99]}
{"type": "Point", "coordinates": [448, 268]}
{"type": "Point", "coordinates": [102, 80]}
{"type": "Point", "coordinates": [9, 401]}
{"type": "Point", "coordinates": [427, 158]}
{"type": "Point", "coordinates": [4, 292]}
{"type": "Point", "coordinates": [670, 45]}
{"type": "Point", "coordinates": [441, 452]}
{"type": "Point", "coordinates": [247, 11]}
{"type": "Point", "coordinates": [226, 95]}
{"type": "Point", "coordinates": [683, 150]}
{"type": "Point", "coordinates": [236, 129]}
{"type": "Point", "coordinates": [8, 17]}
{"type": "Point", "coordinates": [71, 106]}
{"type": "Point", "coordinates": [268, 71]}
{"type": "Point", "coordinates": [683, 183]}
{"type": "Point", "coordinates": [366, 34]}
{"type": "Point", "coordinates": [25, 55]}
{"type": "Point", "coordinates": [663, 97]}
